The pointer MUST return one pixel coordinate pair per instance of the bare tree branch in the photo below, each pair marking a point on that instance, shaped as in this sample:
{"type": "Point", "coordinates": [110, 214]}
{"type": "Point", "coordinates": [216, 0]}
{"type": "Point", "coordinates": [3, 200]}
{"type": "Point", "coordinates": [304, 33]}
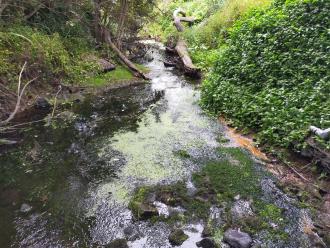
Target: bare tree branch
{"type": "Point", "coordinates": [55, 101]}
{"type": "Point", "coordinates": [19, 95]}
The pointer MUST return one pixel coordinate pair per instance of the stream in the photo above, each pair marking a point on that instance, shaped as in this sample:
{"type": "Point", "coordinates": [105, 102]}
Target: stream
{"type": "Point", "coordinates": [69, 183]}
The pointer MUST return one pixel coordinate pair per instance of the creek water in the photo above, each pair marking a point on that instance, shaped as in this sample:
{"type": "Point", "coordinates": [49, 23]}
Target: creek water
{"type": "Point", "coordinates": [69, 184]}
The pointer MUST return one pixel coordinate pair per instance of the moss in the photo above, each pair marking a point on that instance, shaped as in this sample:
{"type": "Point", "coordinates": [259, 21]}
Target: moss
{"type": "Point", "coordinates": [177, 237]}
{"type": "Point", "coordinates": [271, 212]}
{"type": "Point", "coordinates": [139, 198]}
{"type": "Point", "coordinates": [221, 139]}
{"type": "Point", "coordinates": [182, 153]}
{"type": "Point", "coordinates": [121, 73]}
{"type": "Point", "coordinates": [229, 179]}
{"type": "Point", "coordinates": [266, 216]}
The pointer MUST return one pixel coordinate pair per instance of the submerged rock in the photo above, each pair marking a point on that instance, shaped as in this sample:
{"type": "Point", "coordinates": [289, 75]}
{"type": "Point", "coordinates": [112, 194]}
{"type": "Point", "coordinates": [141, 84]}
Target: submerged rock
{"type": "Point", "coordinates": [207, 232]}
{"type": "Point", "coordinates": [132, 233]}
{"type": "Point", "coordinates": [42, 104]}
{"type": "Point", "coordinates": [144, 211]}
{"type": "Point", "coordinates": [118, 243]}
{"type": "Point", "coordinates": [237, 239]}
{"type": "Point", "coordinates": [206, 243]}
{"type": "Point", "coordinates": [241, 210]}
{"type": "Point", "coordinates": [177, 237]}
{"type": "Point", "coordinates": [25, 208]}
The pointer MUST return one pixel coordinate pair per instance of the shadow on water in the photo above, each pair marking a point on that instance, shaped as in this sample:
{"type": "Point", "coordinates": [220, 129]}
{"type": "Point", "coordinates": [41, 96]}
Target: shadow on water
{"type": "Point", "coordinates": [69, 184]}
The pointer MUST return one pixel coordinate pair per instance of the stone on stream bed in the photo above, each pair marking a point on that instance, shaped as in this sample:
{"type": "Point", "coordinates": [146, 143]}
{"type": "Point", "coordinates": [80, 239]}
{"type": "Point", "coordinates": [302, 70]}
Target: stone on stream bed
{"type": "Point", "coordinates": [216, 203]}
{"type": "Point", "coordinates": [237, 239]}
{"type": "Point", "coordinates": [206, 243]}
{"type": "Point", "coordinates": [25, 208]}
{"type": "Point", "coordinates": [177, 237]}
{"type": "Point", "coordinates": [42, 104]}
{"type": "Point", "coordinates": [118, 243]}
{"type": "Point", "coordinates": [241, 210]}
{"type": "Point", "coordinates": [141, 206]}
{"type": "Point", "coordinates": [144, 211]}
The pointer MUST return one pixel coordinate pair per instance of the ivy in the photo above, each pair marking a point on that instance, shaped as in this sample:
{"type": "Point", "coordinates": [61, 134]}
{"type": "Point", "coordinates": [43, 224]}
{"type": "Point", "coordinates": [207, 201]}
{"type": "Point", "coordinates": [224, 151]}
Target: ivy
{"type": "Point", "coordinates": [274, 75]}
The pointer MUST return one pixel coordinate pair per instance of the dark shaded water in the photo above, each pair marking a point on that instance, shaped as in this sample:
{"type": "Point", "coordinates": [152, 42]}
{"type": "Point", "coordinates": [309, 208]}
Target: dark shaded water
{"type": "Point", "coordinates": [79, 173]}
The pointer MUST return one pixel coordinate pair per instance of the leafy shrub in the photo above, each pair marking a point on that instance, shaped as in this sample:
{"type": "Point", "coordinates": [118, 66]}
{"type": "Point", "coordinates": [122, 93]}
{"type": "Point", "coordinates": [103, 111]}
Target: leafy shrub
{"type": "Point", "coordinates": [211, 33]}
{"type": "Point", "coordinates": [206, 38]}
{"type": "Point", "coordinates": [274, 75]}
{"type": "Point", "coordinates": [48, 57]}
{"type": "Point", "coordinates": [162, 24]}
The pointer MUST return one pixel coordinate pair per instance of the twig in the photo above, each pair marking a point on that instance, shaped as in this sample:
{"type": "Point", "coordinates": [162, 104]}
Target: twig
{"type": "Point", "coordinates": [296, 172]}
{"type": "Point", "coordinates": [22, 36]}
{"type": "Point", "coordinates": [21, 124]}
{"type": "Point", "coordinates": [19, 96]}
{"type": "Point", "coordinates": [55, 101]}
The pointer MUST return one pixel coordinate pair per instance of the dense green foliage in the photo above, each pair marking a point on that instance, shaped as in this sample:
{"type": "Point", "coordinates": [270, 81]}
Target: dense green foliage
{"type": "Point", "coordinates": [213, 19]}
{"type": "Point", "coordinates": [274, 75]}
{"type": "Point", "coordinates": [48, 56]}
{"type": "Point", "coordinates": [210, 35]}
{"type": "Point", "coordinates": [162, 27]}
{"type": "Point", "coordinates": [57, 40]}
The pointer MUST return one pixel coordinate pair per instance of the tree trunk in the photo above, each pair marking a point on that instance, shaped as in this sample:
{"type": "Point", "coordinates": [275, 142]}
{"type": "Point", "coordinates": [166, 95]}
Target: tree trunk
{"type": "Point", "coordinates": [97, 21]}
{"type": "Point", "coordinates": [2, 7]}
{"type": "Point", "coordinates": [181, 47]}
{"type": "Point", "coordinates": [131, 66]}
{"type": "Point", "coordinates": [103, 34]}
{"type": "Point", "coordinates": [179, 19]}
{"type": "Point", "coordinates": [121, 23]}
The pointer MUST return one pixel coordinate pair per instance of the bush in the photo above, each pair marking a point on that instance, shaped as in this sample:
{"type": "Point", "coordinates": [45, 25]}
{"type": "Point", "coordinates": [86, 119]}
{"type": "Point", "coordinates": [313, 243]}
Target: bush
{"type": "Point", "coordinates": [50, 57]}
{"type": "Point", "coordinates": [212, 32]}
{"type": "Point", "coordinates": [274, 76]}
{"type": "Point", "coordinates": [162, 24]}
{"type": "Point", "coordinates": [206, 38]}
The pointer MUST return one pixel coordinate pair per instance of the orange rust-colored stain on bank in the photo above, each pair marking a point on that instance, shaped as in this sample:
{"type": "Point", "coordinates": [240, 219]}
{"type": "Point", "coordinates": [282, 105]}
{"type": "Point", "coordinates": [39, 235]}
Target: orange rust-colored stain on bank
{"type": "Point", "coordinates": [242, 141]}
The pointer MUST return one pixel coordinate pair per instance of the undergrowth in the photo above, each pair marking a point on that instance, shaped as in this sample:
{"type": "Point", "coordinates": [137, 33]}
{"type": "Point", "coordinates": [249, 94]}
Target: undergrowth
{"type": "Point", "coordinates": [51, 58]}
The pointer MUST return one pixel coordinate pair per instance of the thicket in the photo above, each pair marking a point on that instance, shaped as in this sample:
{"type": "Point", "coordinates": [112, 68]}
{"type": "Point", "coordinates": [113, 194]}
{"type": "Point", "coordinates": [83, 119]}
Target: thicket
{"type": "Point", "coordinates": [50, 57]}
{"type": "Point", "coordinates": [161, 26]}
{"type": "Point", "coordinates": [57, 39]}
{"type": "Point", "coordinates": [206, 38]}
{"type": "Point", "coordinates": [273, 77]}
{"type": "Point", "coordinates": [209, 32]}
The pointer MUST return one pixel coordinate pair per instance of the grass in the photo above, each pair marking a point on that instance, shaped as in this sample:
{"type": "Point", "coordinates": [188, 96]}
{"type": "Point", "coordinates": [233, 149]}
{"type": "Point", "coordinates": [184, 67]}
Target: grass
{"type": "Point", "coordinates": [231, 176]}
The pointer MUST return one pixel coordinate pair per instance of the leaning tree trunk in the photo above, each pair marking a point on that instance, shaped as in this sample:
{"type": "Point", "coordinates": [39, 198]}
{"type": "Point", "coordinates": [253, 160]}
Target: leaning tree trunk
{"type": "Point", "coordinates": [103, 34]}
{"type": "Point", "coordinates": [131, 66]}
{"type": "Point", "coordinates": [181, 47]}
{"type": "Point", "coordinates": [121, 23]}
{"type": "Point", "coordinates": [179, 19]}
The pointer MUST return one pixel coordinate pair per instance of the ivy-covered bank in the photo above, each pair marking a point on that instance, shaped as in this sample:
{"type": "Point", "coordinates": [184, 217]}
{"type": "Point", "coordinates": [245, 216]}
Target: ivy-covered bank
{"type": "Point", "coordinates": [273, 76]}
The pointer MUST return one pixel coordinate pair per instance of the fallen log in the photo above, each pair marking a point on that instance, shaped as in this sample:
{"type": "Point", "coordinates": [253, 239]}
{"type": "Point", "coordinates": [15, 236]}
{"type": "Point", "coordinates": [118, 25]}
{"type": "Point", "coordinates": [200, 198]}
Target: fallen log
{"type": "Point", "coordinates": [181, 47]}
{"type": "Point", "coordinates": [189, 68]}
{"type": "Point", "coordinates": [179, 19]}
{"type": "Point", "coordinates": [131, 66]}
{"type": "Point", "coordinates": [169, 64]}
{"type": "Point", "coordinates": [317, 153]}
